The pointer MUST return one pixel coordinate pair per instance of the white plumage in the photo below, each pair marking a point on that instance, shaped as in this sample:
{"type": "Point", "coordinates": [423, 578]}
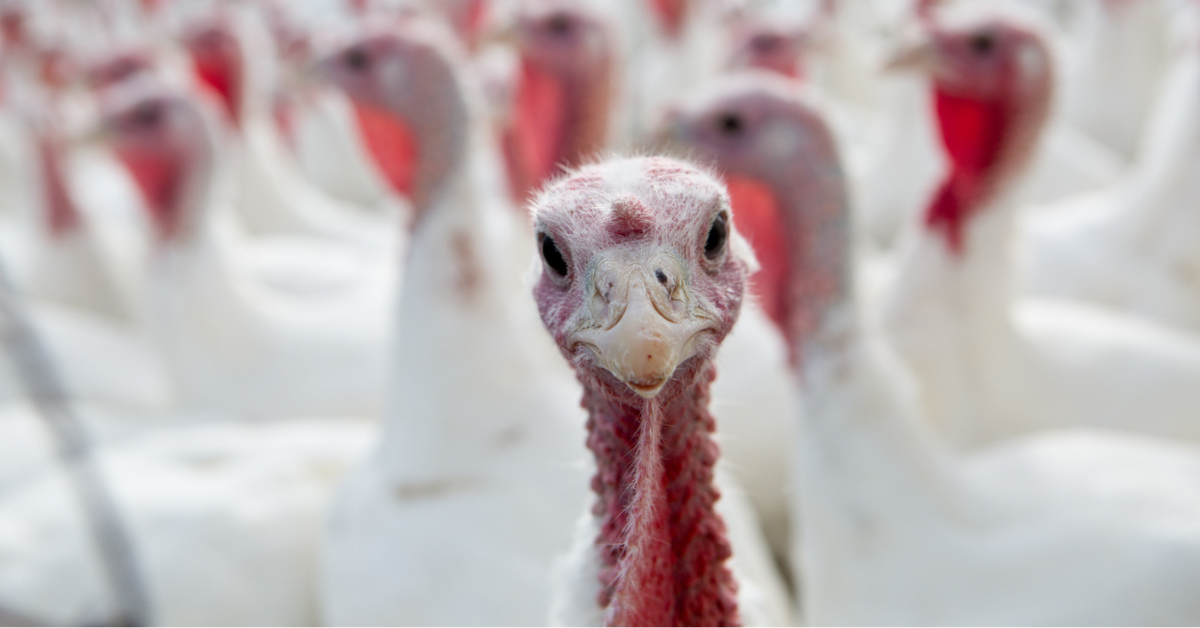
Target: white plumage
{"type": "Point", "coordinates": [472, 489]}
{"type": "Point", "coordinates": [994, 422]}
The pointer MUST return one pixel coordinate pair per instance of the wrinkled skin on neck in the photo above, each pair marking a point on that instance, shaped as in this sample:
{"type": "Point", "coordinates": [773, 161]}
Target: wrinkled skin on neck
{"type": "Point", "coordinates": [662, 546]}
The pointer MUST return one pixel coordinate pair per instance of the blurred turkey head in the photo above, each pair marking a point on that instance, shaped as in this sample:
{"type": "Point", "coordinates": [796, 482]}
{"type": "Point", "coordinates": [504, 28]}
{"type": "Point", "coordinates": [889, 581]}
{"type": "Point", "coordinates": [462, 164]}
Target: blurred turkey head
{"type": "Point", "coordinates": [992, 79]}
{"type": "Point", "coordinates": [14, 25]}
{"type": "Point", "coordinates": [784, 176]}
{"type": "Point", "coordinates": [780, 43]}
{"type": "Point", "coordinates": [216, 55]}
{"type": "Point", "coordinates": [162, 138]}
{"type": "Point", "coordinates": [408, 102]}
{"type": "Point", "coordinates": [563, 94]}
{"type": "Point", "coordinates": [769, 47]}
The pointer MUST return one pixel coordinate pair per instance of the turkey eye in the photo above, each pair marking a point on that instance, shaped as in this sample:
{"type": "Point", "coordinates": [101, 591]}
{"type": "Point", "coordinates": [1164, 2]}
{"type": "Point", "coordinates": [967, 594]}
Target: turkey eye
{"type": "Point", "coordinates": [356, 59]}
{"type": "Point", "coordinates": [123, 69]}
{"type": "Point", "coordinates": [718, 233]}
{"type": "Point", "coordinates": [553, 257]}
{"type": "Point", "coordinates": [730, 124]}
{"type": "Point", "coordinates": [982, 43]}
{"type": "Point", "coordinates": [766, 43]}
{"type": "Point", "coordinates": [147, 115]}
{"type": "Point", "coordinates": [559, 24]}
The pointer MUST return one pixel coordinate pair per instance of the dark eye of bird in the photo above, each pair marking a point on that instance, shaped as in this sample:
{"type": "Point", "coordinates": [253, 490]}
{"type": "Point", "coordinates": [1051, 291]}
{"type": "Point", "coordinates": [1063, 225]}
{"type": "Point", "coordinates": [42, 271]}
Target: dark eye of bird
{"type": "Point", "coordinates": [766, 42]}
{"type": "Point", "coordinates": [718, 233]}
{"type": "Point", "coordinates": [147, 115]}
{"type": "Point", "coordinates": [123, 68]}
{"type": "Point", "coordinates": [553, 257]}
{"type": "Point", "coordinates": [357, 59]}
{"type": "Point", "coordinates": [558, 24]}
{"type": "Point", "coordinates": [982, 43]}
{"type": "Point", "coordinates": [730, 124]}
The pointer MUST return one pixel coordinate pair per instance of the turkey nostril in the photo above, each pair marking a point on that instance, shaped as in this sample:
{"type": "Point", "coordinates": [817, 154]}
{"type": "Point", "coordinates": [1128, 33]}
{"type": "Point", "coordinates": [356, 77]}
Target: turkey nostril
{"type": "Point", "coordinates": [660, 276]}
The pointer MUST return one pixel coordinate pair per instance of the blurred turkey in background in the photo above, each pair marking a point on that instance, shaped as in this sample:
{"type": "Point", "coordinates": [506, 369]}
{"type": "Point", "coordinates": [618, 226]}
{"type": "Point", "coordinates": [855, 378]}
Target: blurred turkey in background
{"type": "Point", "coordinates": [272, 353]}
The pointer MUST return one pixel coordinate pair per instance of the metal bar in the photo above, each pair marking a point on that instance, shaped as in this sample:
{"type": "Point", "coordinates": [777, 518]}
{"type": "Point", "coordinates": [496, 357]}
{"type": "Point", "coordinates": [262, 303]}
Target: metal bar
{"type": "Point", "coordinates": [44, 386]}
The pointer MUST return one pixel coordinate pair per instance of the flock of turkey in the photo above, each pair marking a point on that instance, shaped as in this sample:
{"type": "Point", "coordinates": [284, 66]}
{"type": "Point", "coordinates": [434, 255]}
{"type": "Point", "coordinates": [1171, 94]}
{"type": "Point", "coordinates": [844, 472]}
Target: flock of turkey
{"type": "Point", "coordinates": [642, 312]}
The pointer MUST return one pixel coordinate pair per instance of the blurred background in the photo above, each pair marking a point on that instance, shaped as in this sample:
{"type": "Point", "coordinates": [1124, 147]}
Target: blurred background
{"type": "Point", "coordinates": [211, 259]}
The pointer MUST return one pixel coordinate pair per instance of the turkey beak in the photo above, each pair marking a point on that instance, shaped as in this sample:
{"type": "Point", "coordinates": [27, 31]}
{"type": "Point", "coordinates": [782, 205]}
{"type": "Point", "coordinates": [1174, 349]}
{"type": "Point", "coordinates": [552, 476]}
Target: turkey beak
{"type": "Point", "coordinates": [504, 34]}
{"type": "Point", "coordinates": [644, 332]}
{"type": "Point", "coordinates": [313, 72]}
{"type": "Point", "coordinates": [913, 56]}
{"type": "Point", "coordinates": [97, 134]}
{"type": "Point", "coordinates": [305, 76]}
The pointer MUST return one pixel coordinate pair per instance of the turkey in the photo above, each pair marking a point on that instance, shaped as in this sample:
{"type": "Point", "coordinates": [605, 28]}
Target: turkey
{"type": "Point", "coordinates": [991, 364]}
{"type": "Point", "coordinates": [219, 519]}
{"type": "Point", "coordinates": [641, 258]}
{"type": "Point", "coordinates": [225, 520]}
{"type": "Point", "coordinates": [241, 322]}
{"type": "Point", "coordinates": [902, 164]}
{"type": "Point", "coordinates": [233, 55]}
{"type": "Point", "coordinates": [892, 525]}
{"type": "Point", "coordinates": [564, 92]}
{"type": "Point", "coordinates": [472, 489]}
{"type": "Point", "coordinates": [81, 295]}
{"type": "Point", "coordinates": [754, 399]}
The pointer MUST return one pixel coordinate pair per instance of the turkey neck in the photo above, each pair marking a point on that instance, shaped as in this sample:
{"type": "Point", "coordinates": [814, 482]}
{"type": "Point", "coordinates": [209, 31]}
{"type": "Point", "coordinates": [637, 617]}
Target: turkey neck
{"type": "Point", "coordinates": [990, 143]}
{"type": "Point", "coordinates": [662, 546]}
{"type": "Point", "coordinates": [197, 303]}
{"type": "Point", "coordinates": [867, 472]}
{"type": "Point", "coordinates": [587, 101]}
{"type": "Point", "coordinates": [179, 182]}
{"type": "Point", "coordinates": [950, 310]}
{"type": "Point", "coordinates": [812, 219]}
{"type": "Point", "coordinates": [575, 105]}
{"type": "Point", "coordinates": [827, 341]}
{"type": "Point", "coordinates": [458, 298]}
{"type": "Point", "coordinates": [443, 125]}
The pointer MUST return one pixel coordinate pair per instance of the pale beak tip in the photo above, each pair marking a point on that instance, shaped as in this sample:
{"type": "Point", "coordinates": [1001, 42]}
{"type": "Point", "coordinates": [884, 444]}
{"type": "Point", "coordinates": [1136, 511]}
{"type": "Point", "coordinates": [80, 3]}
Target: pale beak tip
{"type": "Point", "coordinates": [97, 135]}
{"type": "Point", "coordinates": [913, 57]}
{"type": "Point", "coordinates": [647, 387]}
{"type": "Point", "coordinates": [502, 35]}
